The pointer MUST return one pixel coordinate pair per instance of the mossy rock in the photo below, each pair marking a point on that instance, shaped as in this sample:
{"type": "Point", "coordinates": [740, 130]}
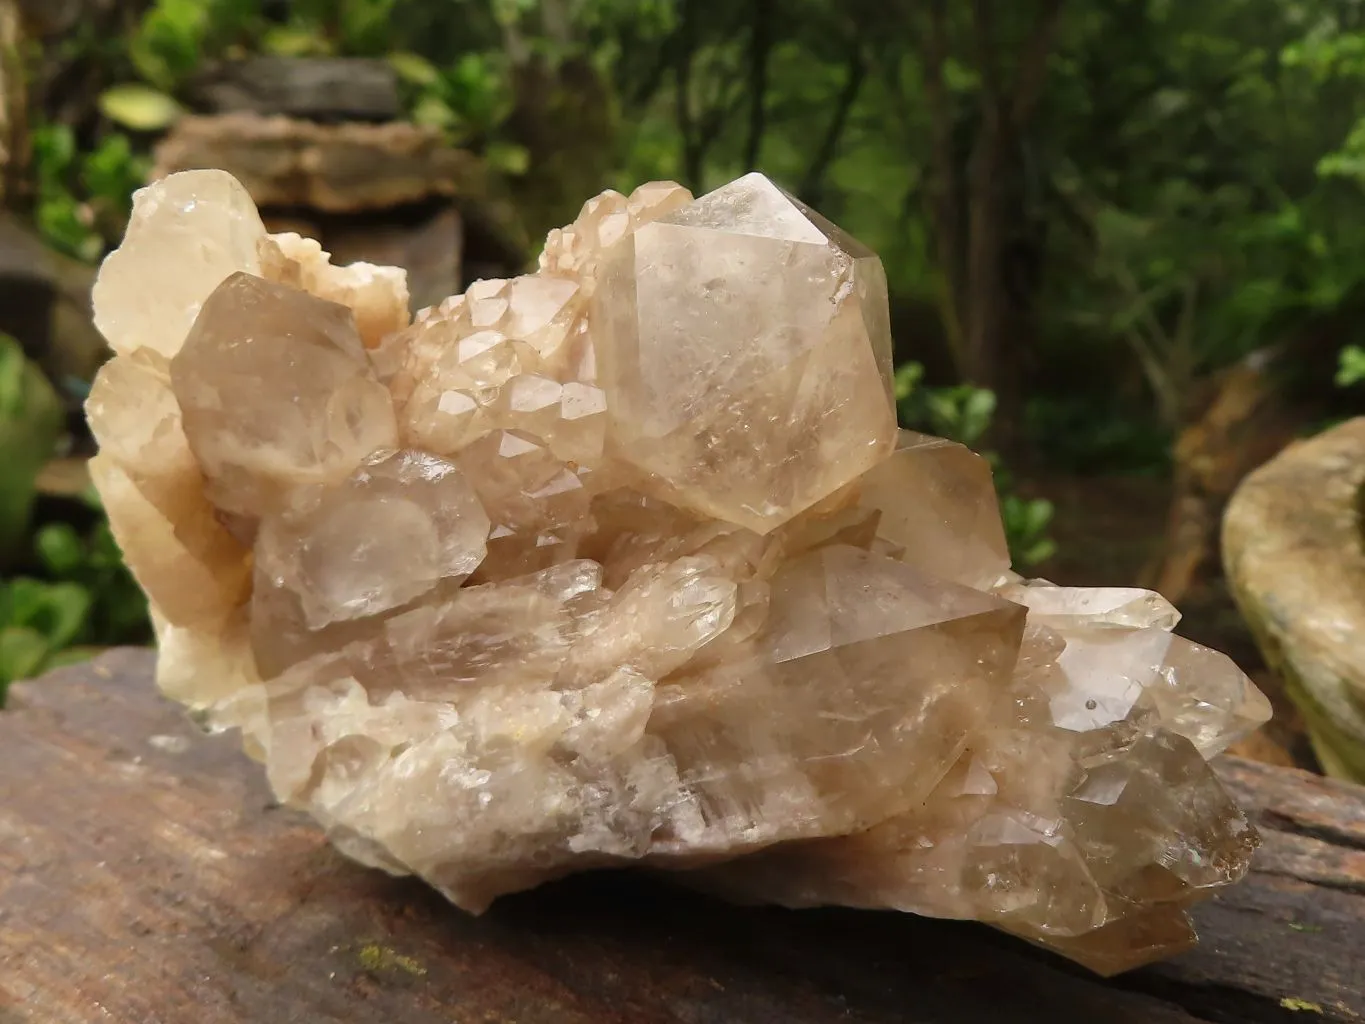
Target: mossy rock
{"type": "Point", "coordinates": [1294, 552]}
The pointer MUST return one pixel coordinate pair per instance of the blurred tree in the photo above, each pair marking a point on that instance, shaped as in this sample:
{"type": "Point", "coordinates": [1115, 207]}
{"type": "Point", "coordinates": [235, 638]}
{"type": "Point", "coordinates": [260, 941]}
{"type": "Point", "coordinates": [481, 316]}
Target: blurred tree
{"type": "Point", "coordinates": [1007, 53]}
{"type": "Point", "coordinates": [1118, 198]}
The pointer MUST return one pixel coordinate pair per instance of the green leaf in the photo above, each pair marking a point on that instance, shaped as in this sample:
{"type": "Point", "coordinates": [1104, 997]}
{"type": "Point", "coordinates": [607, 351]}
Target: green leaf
{"type": "Point", "coordinates": [908, 377]}
{"type": "Point", "coordinates": [68, 604]}
{"type": "Point", "coordinates": [1039, 552]}
{"type": "Point", "coordinates": [55, 610]}
{"type": "Point", "coordinates": [54, 148]}
{"type": "Point", "coordinates": [169, 40]}
{"type": "Point", "coordinates": [112, 171]}
{"type": "Point", "coordinates": [60, 548]}
{"type": "Point", "coordinates": [31, 421]}
{"type": "Point", "coordinates": [138, 107]}
{"type": "Point", "coordinates": [64, 224]}
{"type": "Point", "coordinates": [433, 112]}
{"type": "Point", "coordinates": [413, 68]}
{"type": "Point", "coordinates": [977, 410]}
{"type": "Point", "coordinates": [23, 652]}
{"type": "Point", "coordinates": [508, 157]}
{"type": "Point", "coordinates": [293, 41]}
{"type": "Point", "coordinates": [1351, 368]}
{"type": "Point", "coordinates": [1037, 515]}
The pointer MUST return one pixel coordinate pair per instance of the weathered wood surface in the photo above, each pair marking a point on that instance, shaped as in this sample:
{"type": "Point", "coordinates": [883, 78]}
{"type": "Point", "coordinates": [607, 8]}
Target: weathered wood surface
{"type": "Point", "coordinates": [147, 878]}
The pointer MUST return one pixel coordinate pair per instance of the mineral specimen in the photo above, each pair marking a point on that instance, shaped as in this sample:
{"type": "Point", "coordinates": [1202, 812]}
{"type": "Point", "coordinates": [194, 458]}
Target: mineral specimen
{"type": "Point", "coordinates": [625, 562]}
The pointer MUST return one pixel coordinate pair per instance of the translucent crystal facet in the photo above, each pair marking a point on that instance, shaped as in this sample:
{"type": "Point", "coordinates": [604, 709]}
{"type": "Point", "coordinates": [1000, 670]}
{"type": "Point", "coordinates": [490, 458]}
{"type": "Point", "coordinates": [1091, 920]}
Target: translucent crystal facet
{"type": "Point", "coordinates": [187, 234]}
{"type": "Point", "coordinates": [399, 525]}
{"type": "Point", "coordinates": [751, 433]}
{"type": "Point", "coordinates": [275, 390]}
{"type": "Point", "coordinates": [952, 529]}
{"type": "Point", "coordinates": [625, 562]}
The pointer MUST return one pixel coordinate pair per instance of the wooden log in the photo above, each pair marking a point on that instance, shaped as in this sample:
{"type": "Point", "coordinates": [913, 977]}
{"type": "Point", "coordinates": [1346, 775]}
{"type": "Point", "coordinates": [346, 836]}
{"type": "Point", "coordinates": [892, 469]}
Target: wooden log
{"type": "Point", "coordinates": [147, 877]}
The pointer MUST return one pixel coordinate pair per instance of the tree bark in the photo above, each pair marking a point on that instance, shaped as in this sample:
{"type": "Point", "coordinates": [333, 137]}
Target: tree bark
{"type": "Point", "coordinates": [813, 181]}
{"type": "Point", "coordinates": [760, 48]}
{"type": "Point", "coordinates": [944, 213]}
{"type": "Point", "coordinates": [687, 45]}
{"type": "Point", "coordinates": [14, 139]}
{"type": "Point", "coordinates": [989, 353]}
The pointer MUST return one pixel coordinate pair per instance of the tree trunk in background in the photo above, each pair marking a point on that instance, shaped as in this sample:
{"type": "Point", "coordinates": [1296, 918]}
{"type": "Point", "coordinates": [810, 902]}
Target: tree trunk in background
{"type": "Point", "coordinates": [13, 106]}
{"type": "Point", "coordinates": [971, 218]}
{"type": "Point", "coordinates": [986, 356]}
{"type": "Point", "coordinates": [563, 116]}
{"type": "Point", "coordinates": [945, 214]}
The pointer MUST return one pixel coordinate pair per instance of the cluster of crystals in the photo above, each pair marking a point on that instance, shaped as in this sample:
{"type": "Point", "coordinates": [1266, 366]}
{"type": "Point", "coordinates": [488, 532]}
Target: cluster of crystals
{"type": "Point", "coordinates": [625, 561]}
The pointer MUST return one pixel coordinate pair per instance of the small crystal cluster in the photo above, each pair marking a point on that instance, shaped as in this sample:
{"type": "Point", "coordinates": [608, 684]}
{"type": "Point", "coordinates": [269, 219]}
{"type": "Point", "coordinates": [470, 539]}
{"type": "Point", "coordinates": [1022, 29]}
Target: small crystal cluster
{"type": "Point", "coordinates": [625, 561]}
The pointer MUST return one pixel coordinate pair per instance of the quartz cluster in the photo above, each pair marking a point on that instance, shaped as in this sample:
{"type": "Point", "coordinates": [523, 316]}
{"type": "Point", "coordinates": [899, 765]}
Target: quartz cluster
{"type": "Point", "coordinates": [625, 561]}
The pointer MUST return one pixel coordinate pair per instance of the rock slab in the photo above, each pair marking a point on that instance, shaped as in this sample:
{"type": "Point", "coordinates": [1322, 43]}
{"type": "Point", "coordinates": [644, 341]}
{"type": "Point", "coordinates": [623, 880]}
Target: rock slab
{"type": "Point", "coordinates": [1294, 553]}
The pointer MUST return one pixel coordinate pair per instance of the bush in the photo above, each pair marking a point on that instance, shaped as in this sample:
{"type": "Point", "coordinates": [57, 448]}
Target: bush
{"type": "Point", "coordinates": [64, 591]}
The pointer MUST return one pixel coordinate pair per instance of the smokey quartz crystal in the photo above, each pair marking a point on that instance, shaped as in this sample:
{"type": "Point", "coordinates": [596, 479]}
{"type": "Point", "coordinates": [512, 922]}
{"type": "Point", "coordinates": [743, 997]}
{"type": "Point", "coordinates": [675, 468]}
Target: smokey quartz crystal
{"type": "Point", "coordinates": [625, 561]}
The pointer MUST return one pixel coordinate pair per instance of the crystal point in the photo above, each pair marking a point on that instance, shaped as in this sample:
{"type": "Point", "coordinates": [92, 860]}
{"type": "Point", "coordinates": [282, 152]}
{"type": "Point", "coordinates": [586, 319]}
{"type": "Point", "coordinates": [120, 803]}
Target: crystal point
{"type": "Point", "coordinates": [624, 562]}
{"type": "Point", "coordinates": [187, 233]}
{"type": "Point", "coordinates": [754, 432]}
{"type": "Point", "coordinates": [276, 390]}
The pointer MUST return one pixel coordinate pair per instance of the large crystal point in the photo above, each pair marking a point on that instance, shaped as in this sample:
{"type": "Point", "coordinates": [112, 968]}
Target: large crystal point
{"type": "Point", "coordinates": [953, 529]}
{"type": "Point", "coordinates": [625, 562]}
{"type": "Point", "coordinates": [187, 234]}
{"type": "Point", "coordinates": [745, 349]}
{"type": "Point", "coordinates": [276, 391]}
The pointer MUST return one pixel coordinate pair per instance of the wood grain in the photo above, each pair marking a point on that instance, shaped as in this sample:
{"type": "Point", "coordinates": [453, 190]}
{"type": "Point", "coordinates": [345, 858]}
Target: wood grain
{"type": "Point", "coordinates": [147, 877]}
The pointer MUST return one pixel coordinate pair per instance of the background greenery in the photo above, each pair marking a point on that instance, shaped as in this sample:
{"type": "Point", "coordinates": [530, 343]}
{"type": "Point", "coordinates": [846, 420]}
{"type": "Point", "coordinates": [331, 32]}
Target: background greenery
{"type": "Point", "coordinates": [1086, 210]}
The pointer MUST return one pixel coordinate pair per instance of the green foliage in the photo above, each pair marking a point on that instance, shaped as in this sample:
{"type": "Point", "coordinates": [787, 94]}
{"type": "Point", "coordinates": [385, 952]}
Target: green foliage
{"type": "Point", "coordinates": [117, 609]}
{"type": "Point", "coordinates": [1193, 159]}
{"type": "Point", "coordinates": [31, 422]}
{"type": "Point", "coordinates": [466, 94]}
{"type": "Point", "coordinates": [1351, 369]}
{"type": "Point", "coordinates": [83, 199]}
{"type": "Point", "coordinates": [1026, 525]}
{"type": "Point", "coordinates": [38, 622]}
{"type": "Point", "coordinates": [467, 99]}
{"type": "Point", "coordinates": [963, 413]}
{"type": "Point", "coordinates": [87, 600]}
{"type": "Point", "coordinates": [138, 107]}
{"type": "Point", "coordinates": [63, 221]}
{"type": "Point", "coordinates": [174, 37]}
{"type": "Point", "coordinates": [83, 594]}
